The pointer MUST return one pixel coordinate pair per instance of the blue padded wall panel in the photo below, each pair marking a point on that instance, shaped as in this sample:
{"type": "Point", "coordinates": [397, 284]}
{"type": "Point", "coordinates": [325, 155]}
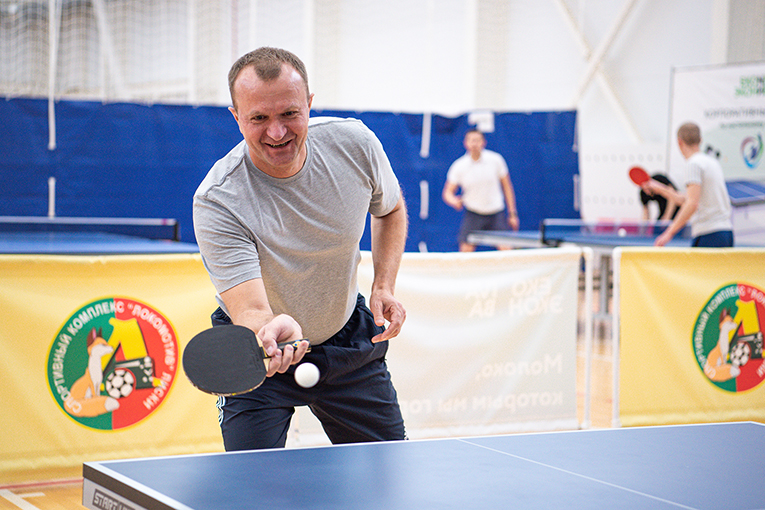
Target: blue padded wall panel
{"type": "Point", "coordinates": [128, 160]}
{"type": "Point", "coordinates": [122, 160]}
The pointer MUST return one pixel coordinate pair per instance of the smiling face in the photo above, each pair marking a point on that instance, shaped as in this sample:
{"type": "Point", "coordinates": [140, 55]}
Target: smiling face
{"type": "Point", "coordinates": [273, 118]}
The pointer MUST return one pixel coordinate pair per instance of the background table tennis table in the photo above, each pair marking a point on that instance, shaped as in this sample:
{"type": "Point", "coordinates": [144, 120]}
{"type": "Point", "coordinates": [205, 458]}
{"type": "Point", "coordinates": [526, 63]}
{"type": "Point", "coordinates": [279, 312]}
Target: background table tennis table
{"type": "Point", "coordinates": [601, 237]}
{"type": "Point", "coordinates": [42, 235]}
{"type": "Point", "coordinates": [703, 466]}
{"type": "Point", "coordinates": [748, 201]}
{"type": "Point", "coordinates": [743, 192]}
{"type": "Point", "coordinates": [86, 243]}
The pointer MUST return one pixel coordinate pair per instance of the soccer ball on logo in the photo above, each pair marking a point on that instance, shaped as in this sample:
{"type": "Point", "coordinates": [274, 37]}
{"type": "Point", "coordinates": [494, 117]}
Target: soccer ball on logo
{"type": "Point", "coordinates": [119, 384]}
{"type": "Point", "coordinates": [739, 354]}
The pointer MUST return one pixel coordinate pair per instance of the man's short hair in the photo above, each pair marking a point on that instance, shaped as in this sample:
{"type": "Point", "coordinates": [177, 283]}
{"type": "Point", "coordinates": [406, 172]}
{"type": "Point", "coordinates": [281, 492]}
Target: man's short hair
{"type": "Point", "coordinates": [475, 130]}
{"type": "Point", "coordinates": [689, 133]}
{"type": "Point", "coordinates": [267, 63]}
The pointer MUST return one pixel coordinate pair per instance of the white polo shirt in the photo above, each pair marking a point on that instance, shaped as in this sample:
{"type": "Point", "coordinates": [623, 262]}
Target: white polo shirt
{"type": "Point", "coordinates": [480, 181]}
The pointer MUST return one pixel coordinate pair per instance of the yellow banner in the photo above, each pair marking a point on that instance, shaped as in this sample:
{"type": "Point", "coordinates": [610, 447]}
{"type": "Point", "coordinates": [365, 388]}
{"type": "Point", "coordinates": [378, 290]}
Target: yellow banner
{"type": "Point", "coordinates": [691, 325]}
{"type": "Point", "coordinates": [90, 349]}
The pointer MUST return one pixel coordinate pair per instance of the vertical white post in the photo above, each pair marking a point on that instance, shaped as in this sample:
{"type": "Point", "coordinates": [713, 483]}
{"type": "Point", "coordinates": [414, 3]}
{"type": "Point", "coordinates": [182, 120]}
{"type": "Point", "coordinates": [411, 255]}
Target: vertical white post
{"type": "Point", "coordinates": [191, 48]}
{"type": "Point", "coordinates": [720, 20]}
{"type": "Point", "coordinates": [424, 199]}
{"type": "Point", "coordinates": [107, 49]}
{"type": "Point", "coordinates": [427, 119]}
{"type": "Point", "coordinates": [53, 17]}
{"type": "Point", "coordinates": [471, 51]}
{"type": "Point", "coordinates": [616, 261]}
{"type": "Point", "coordinates": [252, 35]}
{"type": "Point", "coordinates": [51, 197]}
{"type": "Point", "coordinates": [588, 279]}
{"type": "Point", "coordinates": [309, 35]}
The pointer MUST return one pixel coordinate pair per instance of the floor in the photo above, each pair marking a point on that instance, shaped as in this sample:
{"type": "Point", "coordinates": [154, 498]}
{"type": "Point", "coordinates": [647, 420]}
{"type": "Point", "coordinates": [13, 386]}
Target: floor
{"type": "Point", "coordinates": [56, 489]}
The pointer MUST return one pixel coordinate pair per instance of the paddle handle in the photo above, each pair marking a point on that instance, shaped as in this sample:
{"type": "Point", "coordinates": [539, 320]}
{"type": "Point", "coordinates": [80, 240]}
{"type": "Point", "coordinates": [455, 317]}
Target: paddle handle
{"type": "Point", "coordinates": [282, 345]}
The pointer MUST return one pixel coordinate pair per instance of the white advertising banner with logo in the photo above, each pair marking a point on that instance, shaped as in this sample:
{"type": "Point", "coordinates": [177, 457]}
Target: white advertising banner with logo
{"type": "Point", "coordinates": [90, 351]}
{"type": "Point", "coordinates": [690, 335]}
{"type": "Point", "coordinates": [728, 104]}
{"type": "Point", "coordinates": [489, 343]}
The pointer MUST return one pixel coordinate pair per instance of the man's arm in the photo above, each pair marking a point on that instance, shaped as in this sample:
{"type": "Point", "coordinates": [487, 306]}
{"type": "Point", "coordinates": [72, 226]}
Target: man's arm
{"type": "Point", "coordinates": [690, 204]}
{"type": "Point", "coordinates": [668, 192]}
{"type": "Point", "coordinates": [512, 209]}
{"type": "Point", "coordinates": [669, 210]}
{"type": "Point", "coordinates": [449, 195]}
{"type": "Point", "coordinates": [388, 242]}
{"type": "Point", "coordinates": [248, 306]}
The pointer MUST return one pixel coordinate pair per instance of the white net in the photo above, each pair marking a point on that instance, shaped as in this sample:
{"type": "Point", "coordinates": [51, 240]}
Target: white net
{"type": "Point", "coordinates": [443, 56]}
{"type": "Point", "coordinates": [148, 51]}
{"type": "Point", "coordinates": [115, 50]}
{"type": "Point", "coordinates": [24, 48]}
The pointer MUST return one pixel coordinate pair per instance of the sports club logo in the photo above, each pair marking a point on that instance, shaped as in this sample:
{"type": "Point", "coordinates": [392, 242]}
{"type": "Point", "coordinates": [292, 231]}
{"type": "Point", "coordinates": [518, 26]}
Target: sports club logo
{"type": "Point", "coordinates": [112, 363]}
{"type": "Point", "coordinates": [751, 150]}
{"type": "Point", "coordinates": [750, 86]}
{"type": "Point", "coordinates": [727, 337]}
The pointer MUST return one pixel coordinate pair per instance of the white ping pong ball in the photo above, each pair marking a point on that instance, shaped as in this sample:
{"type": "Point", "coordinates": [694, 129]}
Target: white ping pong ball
{"type": "Point", "coordinates": [306, 375]}
{"type": "Point", "coordinates": [622, 232]}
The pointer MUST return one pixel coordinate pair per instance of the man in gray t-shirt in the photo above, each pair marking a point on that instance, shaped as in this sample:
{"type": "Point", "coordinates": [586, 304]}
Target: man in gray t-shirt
{"type": "Point", "coordinates": [278, 221]}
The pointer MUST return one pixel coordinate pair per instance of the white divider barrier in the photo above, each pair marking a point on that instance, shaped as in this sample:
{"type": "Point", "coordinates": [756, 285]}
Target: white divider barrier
{"type": "Point", "coordinates": [489, 344]}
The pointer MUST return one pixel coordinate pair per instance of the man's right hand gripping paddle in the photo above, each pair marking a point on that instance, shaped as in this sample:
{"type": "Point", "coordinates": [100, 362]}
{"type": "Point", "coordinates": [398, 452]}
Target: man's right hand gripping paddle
{"type": "Point", "coordinates": [228, 360]}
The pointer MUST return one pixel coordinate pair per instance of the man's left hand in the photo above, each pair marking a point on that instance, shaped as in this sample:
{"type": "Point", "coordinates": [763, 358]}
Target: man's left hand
{"type": "Point", "coordinates": [386, 307]}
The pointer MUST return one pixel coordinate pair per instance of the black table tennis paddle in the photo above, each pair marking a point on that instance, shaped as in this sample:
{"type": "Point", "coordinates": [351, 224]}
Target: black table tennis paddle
{"type": "Point", "coordinates": [227, 360]}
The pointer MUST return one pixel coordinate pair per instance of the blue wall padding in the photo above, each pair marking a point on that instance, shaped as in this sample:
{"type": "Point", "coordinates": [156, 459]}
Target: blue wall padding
{"type": "Point", "coordinates": [130, 160]}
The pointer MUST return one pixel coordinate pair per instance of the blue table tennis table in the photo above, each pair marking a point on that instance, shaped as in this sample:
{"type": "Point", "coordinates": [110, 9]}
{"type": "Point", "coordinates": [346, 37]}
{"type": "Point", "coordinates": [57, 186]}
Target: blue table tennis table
{"type": "Point", "coordinates": [743, 192]}
{"type": "Point", "coordinates": [87, 243]}
{"type": "Point", "coordinates": [42, 235]}
{"type": "Point", "coordinates": [507, 238]}
{"type": "Point", "coordinates": [748, 201]}
{"type": "Point", "coordinates": [601, 237]}
{"type": "Point", "coordinates": [704, 466]}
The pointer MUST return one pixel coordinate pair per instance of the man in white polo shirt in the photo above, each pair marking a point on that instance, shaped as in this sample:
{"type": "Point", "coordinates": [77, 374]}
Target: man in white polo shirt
{"type": "Point", "coordinates": [483, 179]}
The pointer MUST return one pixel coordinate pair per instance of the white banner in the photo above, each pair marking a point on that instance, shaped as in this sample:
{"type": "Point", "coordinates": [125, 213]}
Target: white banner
{"type": "Point", "coordinates": [488, 347]}
{"type": "Point", "coordinates": [728, 104]}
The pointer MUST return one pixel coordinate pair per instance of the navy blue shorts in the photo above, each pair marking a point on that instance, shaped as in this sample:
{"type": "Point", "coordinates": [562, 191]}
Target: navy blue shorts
{"type": "Point", "coordinates": [721, 239]}
{"type": "Point", "coordinates": [354, 400]}
{"type": "Point", "coordinates": [472, 221]}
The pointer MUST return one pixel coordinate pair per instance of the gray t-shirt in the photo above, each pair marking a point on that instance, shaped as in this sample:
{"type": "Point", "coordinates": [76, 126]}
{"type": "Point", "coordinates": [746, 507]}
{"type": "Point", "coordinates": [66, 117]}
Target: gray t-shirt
{"type": "Point", "coordinates": [300, 234]}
